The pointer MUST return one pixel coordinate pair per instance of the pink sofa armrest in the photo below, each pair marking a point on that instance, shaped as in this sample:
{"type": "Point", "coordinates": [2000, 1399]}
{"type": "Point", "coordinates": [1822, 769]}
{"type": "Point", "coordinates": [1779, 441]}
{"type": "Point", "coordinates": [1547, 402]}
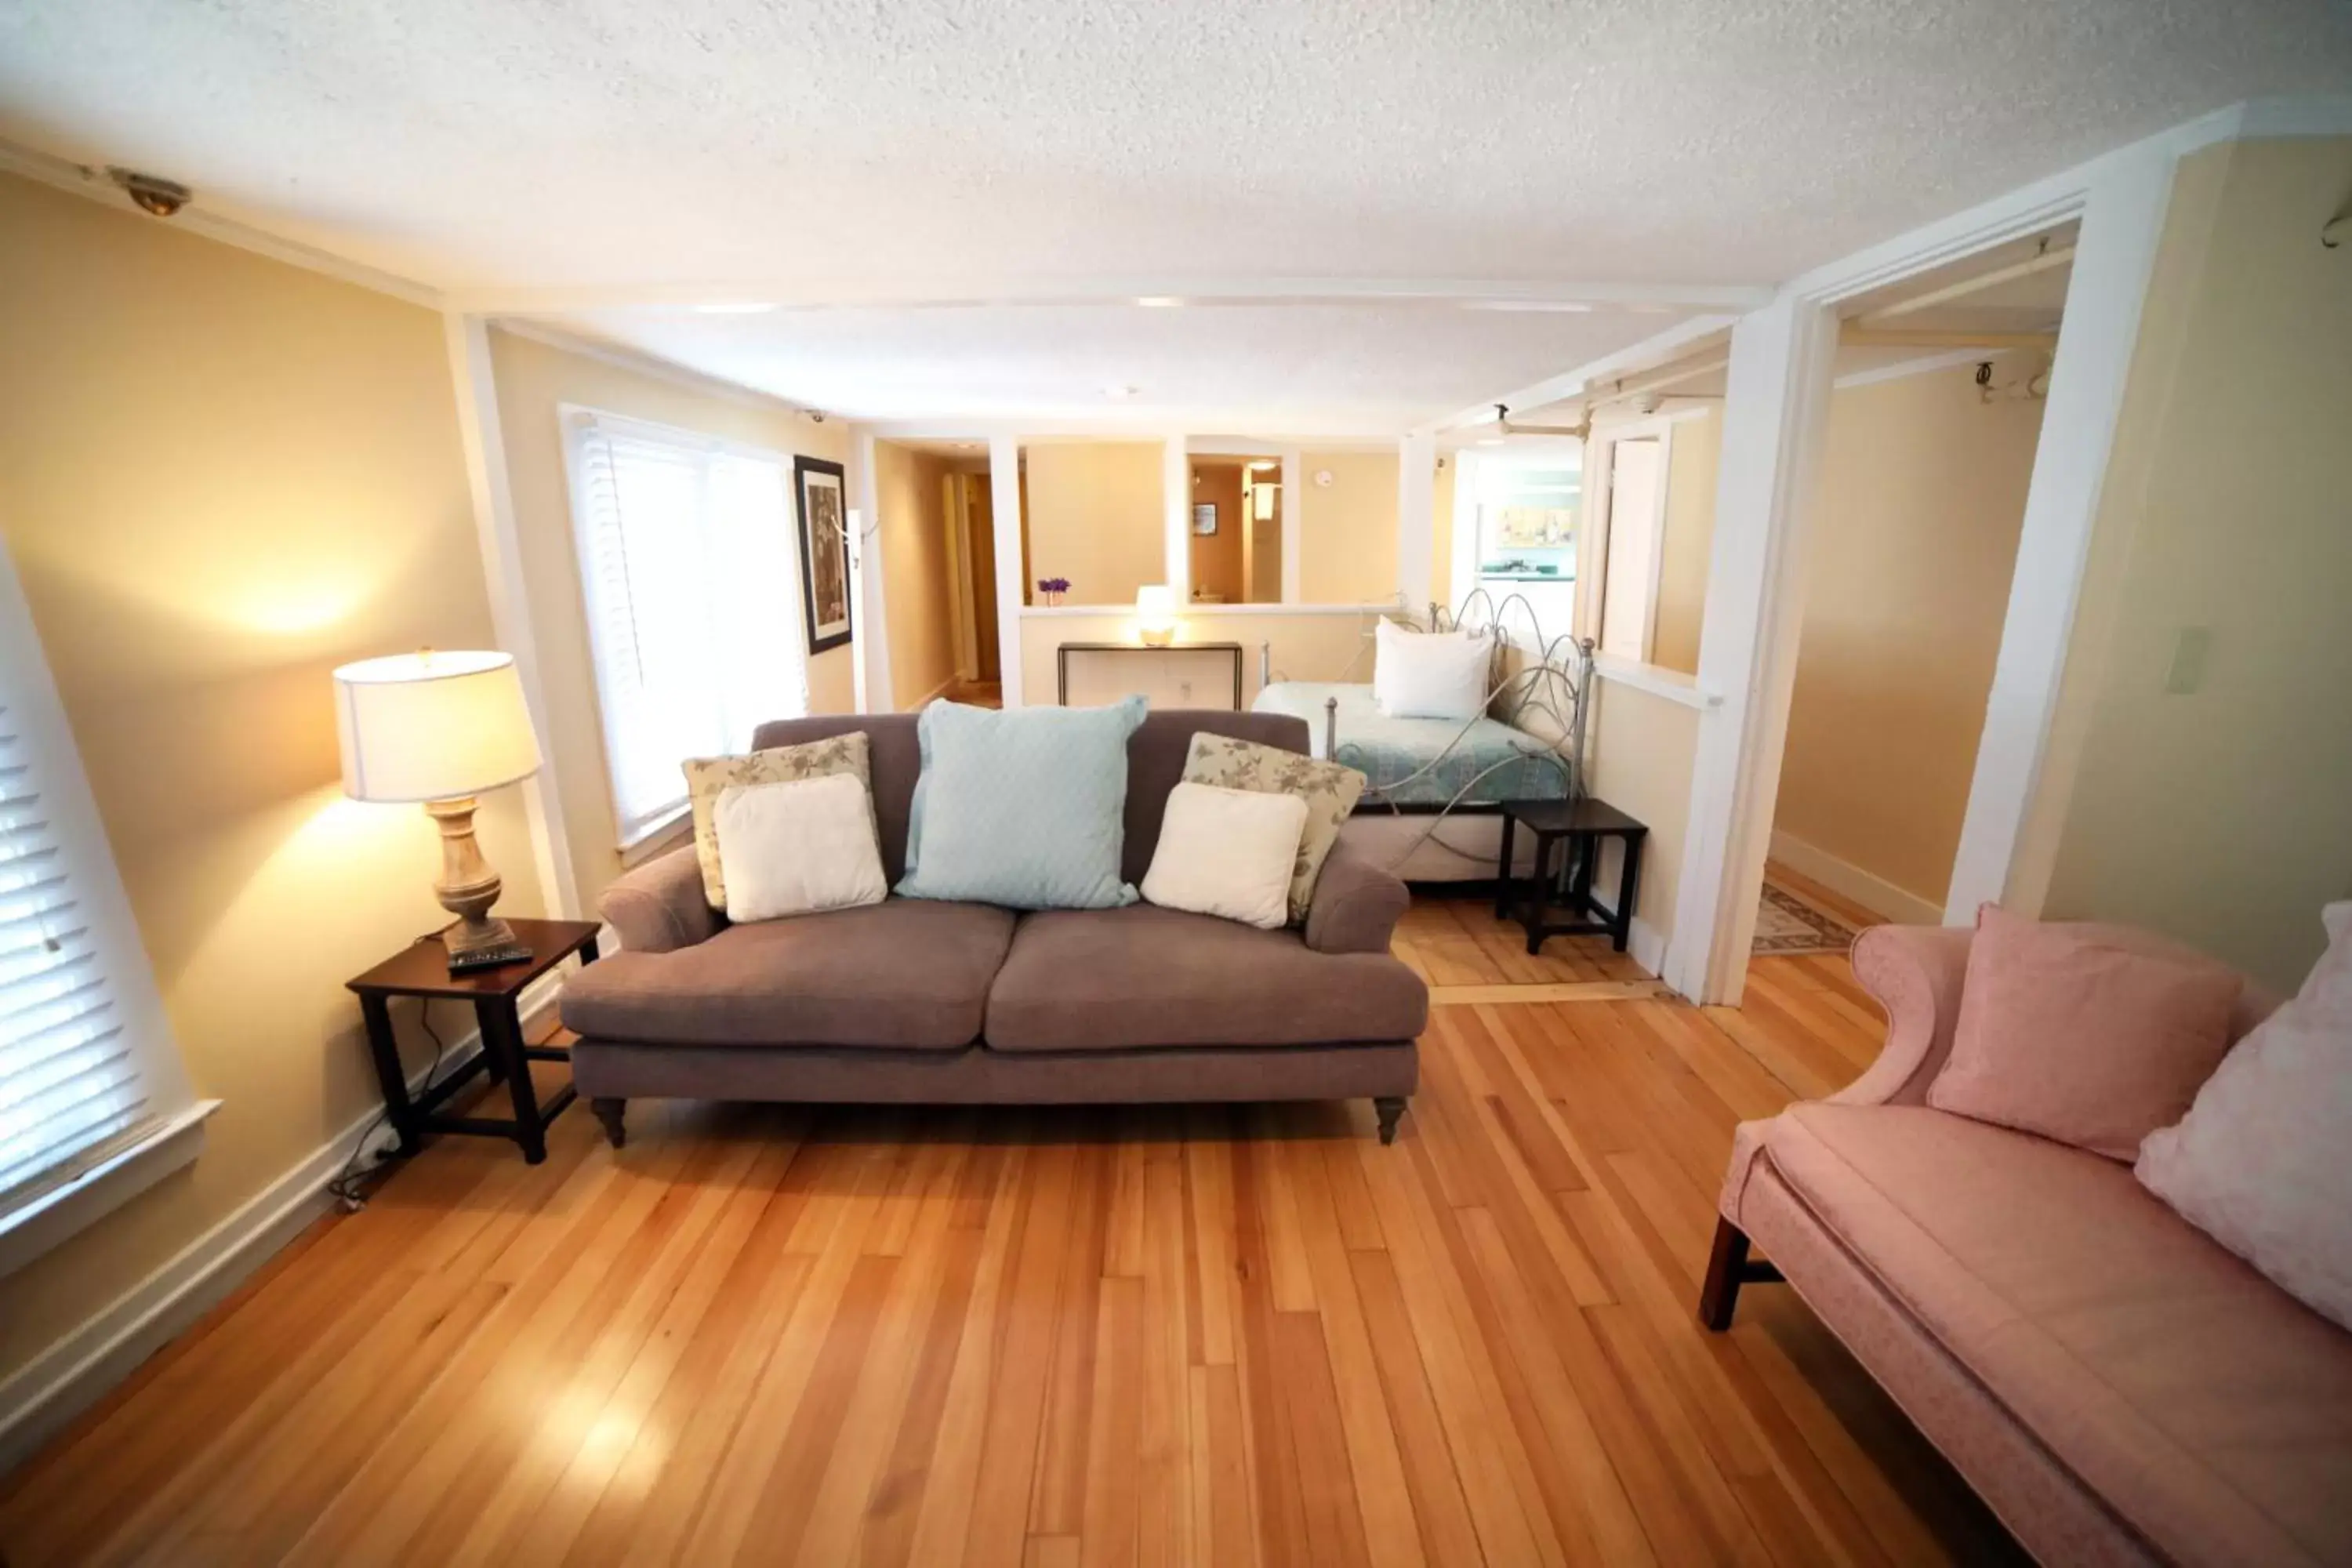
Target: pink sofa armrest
{"type": "Point", "coordinates": [1917, 972]}
{"type": "Point", "coordinates": [659, 907]}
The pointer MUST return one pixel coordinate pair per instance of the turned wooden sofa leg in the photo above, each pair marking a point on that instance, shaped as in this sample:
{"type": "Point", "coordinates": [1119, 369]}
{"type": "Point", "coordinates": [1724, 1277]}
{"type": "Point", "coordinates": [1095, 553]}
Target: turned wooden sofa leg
{"type": "Point", "coordinates": [1390, 1109]}
{"type": "Point", "coordinates": [609, 1112]}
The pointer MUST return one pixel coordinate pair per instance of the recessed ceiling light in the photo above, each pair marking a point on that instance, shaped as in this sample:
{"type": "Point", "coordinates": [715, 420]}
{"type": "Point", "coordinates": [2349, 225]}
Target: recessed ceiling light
{"type": "Point", "coordinates": [1261, 465]}
{"type": "Point", "coordinates": [737, 307]}
{"type": "Point", "coordinates": [1120, 392]}
{"type": "Point", "coordinates": [1158, 301]}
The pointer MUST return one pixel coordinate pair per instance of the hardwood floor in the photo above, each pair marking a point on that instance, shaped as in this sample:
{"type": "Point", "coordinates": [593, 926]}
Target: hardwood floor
{"type": "Point", "coordinates": [1221, 1335]}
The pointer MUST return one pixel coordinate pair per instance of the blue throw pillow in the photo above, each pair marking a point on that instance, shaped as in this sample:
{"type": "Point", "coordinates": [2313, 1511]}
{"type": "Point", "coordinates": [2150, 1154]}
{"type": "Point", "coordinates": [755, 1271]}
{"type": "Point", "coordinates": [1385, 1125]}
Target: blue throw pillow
{"type": "Point", "coordinates": [1027, 808]}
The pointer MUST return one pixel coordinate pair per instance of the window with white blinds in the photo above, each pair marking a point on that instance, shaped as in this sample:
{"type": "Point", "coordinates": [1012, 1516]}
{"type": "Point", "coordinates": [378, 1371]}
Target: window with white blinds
{"type": "Point", "coordinates": [87, 1068]}
{"type": "Point", "coordinates": [691, 579]}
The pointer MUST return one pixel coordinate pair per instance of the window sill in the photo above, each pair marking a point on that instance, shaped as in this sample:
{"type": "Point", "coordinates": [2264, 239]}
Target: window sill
{"type": "Point", "coordinates": [1657, 680]}
{"type": "Point", "coordinates": [654, 837]}
{"type": "Point", "coordinates": [64, 1211]}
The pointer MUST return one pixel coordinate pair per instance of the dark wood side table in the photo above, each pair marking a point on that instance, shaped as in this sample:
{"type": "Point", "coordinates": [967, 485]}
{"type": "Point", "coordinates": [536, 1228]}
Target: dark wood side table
{"type": "Point", "coordinates": [422, 969]}
{"type": "Point", "coordinates": [1581, 825]}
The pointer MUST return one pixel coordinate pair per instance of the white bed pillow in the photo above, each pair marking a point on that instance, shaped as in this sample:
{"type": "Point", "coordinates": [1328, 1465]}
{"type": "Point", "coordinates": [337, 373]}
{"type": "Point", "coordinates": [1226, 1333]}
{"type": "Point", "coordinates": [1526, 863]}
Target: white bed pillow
{"type": "Point", "coordinates": [798, 846]}
{"type": "Point", "coordinates": [2263, 1159]}
{"type": "Point", "coordinates": [1227, 852]}
{"type": "Point", "coordinates": [1429, 674]}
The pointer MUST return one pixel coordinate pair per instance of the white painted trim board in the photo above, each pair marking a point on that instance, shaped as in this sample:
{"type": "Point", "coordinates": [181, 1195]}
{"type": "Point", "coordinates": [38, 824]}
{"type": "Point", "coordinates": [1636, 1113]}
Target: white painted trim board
{"type": "Point", "coordinates": [1846, 879]}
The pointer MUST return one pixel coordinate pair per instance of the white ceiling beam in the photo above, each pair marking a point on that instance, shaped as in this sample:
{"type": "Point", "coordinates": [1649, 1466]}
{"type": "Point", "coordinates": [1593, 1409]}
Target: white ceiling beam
{"type": "Point", "coordinates": [1146, 292]}
{"type": "Point", "coordinates": [1659, 348]}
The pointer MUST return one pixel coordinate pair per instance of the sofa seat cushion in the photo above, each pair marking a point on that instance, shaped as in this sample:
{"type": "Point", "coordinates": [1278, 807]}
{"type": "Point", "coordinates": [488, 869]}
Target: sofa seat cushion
{"type": "Point", "coordinates": [1143, 977]}
{"type": "Point", "coordinates": [906, 973]}
{"type": "Point", "coordinates": [2211, 1409]}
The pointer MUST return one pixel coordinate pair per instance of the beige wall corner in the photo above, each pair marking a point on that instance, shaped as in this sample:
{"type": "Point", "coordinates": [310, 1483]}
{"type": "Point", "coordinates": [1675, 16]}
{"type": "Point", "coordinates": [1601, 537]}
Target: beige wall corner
{"type": "Point", "coordinates": [2207, 803]}
{"type": "Point", "coordinates": [919, 570]}
{"type": "Point", "coordinates": [220, 476]}
{"type": "Point", "coordinates": [534, 380]}
{"type": "Point", "coordinates": [1916, 513]}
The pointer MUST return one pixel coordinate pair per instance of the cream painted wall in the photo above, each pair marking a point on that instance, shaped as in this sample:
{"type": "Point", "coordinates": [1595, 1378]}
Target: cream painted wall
{"type": "Point", "coordinates": [1914, 544]}
{"type": "Point", "coordinates": [2219, 815]}
{"type": "Point", "coordinates": [1306, 645]}
{"type": "Point", "coordinates": [1693, 455]}
{"type": "Point", "coordinates": [1096, 515]}
{"type": "Point", "coordinates": [534, 380]}
{"type": "Point", "coordinates": [221, 477]}
{"type": "Point", "coordinates": [917, 573]}
{"type": "Point", "coordinates": [1348, 528]}
{"type": "Point", "coordinates": [1640, 750]}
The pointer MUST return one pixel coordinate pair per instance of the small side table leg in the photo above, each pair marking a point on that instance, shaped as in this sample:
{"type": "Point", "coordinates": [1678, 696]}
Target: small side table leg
{"type": "Point", "coordinates": [1628, 884]}
{"type": "Point", "coordinates": [1503, 873]}
{"type": "Point", "coordinates": [386, 1049]}
{"type": "Point", "coordinates": [502, 1032]}
{"type": "Point", "coordinates": [1537, 913]}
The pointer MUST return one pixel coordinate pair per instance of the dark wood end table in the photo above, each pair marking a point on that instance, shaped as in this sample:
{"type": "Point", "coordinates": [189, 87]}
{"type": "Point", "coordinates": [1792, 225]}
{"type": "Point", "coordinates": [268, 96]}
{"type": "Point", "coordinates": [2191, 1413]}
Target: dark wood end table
{"type": "Point", "coordinates": [1581, 825]}
{"type": "Point", "coordinates": [421, 969]}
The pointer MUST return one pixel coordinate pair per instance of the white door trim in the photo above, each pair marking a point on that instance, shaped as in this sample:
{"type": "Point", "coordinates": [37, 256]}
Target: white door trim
{"type": "Point", "coordinates": [1775, 414]}
{"type": "Point", "coordinates": [870, 639]}
{"type": "Point", "coordinates": [1005, 516]}
{"type": "Point", "coordinates": [482, 435]}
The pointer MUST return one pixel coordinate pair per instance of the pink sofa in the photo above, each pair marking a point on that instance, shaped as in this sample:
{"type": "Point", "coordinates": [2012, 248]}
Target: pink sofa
{"type": "Point", "coordinates": [2118, 1387]}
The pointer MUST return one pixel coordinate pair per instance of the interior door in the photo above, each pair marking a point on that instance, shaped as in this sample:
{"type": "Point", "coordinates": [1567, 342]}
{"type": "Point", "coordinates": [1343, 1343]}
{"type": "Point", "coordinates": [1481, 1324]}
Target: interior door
{"type": "Point", "coordinates": [1637, 504]}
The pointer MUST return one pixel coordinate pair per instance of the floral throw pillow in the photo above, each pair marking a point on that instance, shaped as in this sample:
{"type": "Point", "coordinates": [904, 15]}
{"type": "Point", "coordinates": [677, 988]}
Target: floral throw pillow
{"type": "Point", "coordinates": [1330, 790]}
{"type": "Point", "coordinates": [706, 777]}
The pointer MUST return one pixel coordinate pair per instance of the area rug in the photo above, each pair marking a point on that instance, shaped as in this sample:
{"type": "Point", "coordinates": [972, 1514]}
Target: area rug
{"type": "Point", "coordinates": [1786, 925]}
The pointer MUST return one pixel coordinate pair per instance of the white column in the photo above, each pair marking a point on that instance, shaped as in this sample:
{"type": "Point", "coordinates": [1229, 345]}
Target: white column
{"type": "Point", "coordinates": [1294, 514]}
{"type": "Point", "coordinates": [2026, 756]}
{"type": "Point", "coordinates": [870, 644]}
{"type": "Point", "coordinates": [1416, 517]}
{"type": "Point", "coordinates": [1176, 489]}
{"type": "Point", "coordinates": [1005, 505]}
{"type": "Point", "coordinates": [1775, 408]}
{"type": "Point", "coordinates": [483, 439]}
{"type": "Point", "coordinates": [1463, 559]}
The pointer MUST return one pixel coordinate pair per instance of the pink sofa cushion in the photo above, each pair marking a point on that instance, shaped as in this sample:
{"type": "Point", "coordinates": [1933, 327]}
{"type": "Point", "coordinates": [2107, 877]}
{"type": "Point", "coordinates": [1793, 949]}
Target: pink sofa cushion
{"type": "Point", "coordinates": [2091, 1035]}
{"type": "Point", "coordinates": [2207, 1406]}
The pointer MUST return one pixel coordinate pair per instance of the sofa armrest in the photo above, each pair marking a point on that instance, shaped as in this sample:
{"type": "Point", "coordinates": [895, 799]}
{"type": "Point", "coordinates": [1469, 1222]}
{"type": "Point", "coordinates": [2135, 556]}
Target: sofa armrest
{"type": "Point", "coordinates": [1916, 973]}
{"type": "Point", "coordinates": [659, 906]}
{"type": "Point", "coordinates": [1356, 905]}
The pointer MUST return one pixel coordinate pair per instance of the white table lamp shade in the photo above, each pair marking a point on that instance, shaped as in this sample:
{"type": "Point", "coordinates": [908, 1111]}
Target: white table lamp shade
{"type": "Point", "coordinates": [433, 726]}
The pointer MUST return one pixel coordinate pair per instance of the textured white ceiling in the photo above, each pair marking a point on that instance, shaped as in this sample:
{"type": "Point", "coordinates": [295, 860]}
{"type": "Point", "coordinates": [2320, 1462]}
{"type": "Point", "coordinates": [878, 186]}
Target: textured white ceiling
{"type": "Point", "coordinates": [528, 143]}
{"type": "Point", "coordinates": [1288, 370]}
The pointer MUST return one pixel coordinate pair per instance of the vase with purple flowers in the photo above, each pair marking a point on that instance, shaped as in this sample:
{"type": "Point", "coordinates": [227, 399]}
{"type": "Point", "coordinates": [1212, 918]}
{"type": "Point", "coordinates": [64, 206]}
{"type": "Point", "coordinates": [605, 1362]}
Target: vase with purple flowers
{"type": "Point", "coordinates": [1051, 589]}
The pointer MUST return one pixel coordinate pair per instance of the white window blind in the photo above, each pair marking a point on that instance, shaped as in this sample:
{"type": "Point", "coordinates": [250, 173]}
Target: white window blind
{"type": "Point", "coordinates": [691, 580]}
{"type": "Point", "coordinates": [87, 1067]}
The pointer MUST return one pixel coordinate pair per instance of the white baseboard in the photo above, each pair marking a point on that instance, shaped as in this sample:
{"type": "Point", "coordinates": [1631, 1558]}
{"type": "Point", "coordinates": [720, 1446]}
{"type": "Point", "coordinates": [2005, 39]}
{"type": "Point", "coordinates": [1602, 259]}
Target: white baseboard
{"type": "Point", "coordinates": [1873, 893]}
{"type": "Point", "coordinates": [933, 695]}
{"type": "Point", "coordinates": [42, 1396]}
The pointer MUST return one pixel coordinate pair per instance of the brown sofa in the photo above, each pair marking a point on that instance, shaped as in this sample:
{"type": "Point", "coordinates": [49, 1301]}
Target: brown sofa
{"type": "Point", "coordinates": [2120, 1387]}
{"type": "Point", "coordinates": [922, 1001]}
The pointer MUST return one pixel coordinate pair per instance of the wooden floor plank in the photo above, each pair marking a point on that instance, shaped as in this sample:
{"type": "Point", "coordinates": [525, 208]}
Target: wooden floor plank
{"type": "Point", "coordinates": [1226, 1335]}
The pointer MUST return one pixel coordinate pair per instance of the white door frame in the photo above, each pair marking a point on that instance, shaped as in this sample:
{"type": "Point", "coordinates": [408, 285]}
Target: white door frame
{"type": "Point", "coordinates": [1775, 412]}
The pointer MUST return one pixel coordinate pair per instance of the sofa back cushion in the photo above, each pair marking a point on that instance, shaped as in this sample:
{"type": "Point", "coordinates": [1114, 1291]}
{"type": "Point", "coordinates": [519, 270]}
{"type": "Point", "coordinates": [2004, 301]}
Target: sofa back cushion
{"type": "Point", "coordinates": [1155, 764]}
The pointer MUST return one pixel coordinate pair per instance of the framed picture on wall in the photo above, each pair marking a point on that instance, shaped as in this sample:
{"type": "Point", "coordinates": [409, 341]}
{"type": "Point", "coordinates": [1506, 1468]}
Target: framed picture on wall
{"type": "Point", "coordinates": [825, 551]}
{"type": "Point", "coordinates": [1204, 517]}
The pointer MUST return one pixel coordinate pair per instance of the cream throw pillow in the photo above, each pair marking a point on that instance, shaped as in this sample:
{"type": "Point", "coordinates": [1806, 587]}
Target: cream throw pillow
{"type": "Point", "coordinates": [799, 847]}
{"type": "Point", "coordinates": [2260, 1163]}
{"type": "Point", "coordinates": [1330, 790]}
{"type": "Point", "coordinates": [707, 776]}
{"type": "Point", "coordinates": [1226, 852]}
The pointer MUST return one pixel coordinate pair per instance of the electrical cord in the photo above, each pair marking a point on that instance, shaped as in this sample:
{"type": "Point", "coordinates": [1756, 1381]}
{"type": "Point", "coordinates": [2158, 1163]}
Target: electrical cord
{"type": "Point", "coordinates": [347, 1187]}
